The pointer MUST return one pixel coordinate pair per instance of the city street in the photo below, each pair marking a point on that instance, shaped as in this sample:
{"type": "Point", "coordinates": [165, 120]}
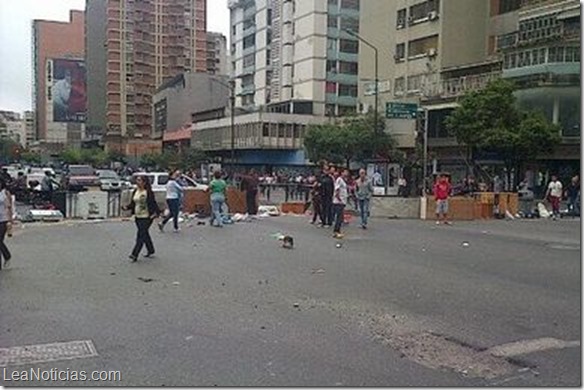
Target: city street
{"type": "Point", "coordinates": [405, 303]}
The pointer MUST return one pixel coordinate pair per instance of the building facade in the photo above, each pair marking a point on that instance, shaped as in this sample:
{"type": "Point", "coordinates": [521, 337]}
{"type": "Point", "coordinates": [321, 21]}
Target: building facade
{"type": "Point", "coordinates": [217, 59]}
{"type": "Point", "coordinates": [59, 91]}
{"type": "Point", "coordinates": [431, 64]}
{"type": "Point", "coordinates": [12, 126]}
{"type": "Point", "coordinates": [188, 98]}
{"type": "Point", "coordinates": [142, 45]}
{"type": "Point", "coordinates": [30, 126]}
{"type": "Point", "coordinates": [294, 57]}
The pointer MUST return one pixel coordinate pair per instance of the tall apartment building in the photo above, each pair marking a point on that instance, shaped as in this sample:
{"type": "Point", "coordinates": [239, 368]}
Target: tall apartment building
{"type": "Point", "coordinates": [294, 57]}
{"type": "Point", "coordinates": [30, 127]}
{"type": "Point", "coordinates": [217, 59]}
{"type": "Point", "coordinates": [142, 44]}
{"type": "Point", "coordinates": [417, 40]}
{"type": "Point", "coordinates": [12, 126]}
{"type": "Point", "coordinates": [59, 92]}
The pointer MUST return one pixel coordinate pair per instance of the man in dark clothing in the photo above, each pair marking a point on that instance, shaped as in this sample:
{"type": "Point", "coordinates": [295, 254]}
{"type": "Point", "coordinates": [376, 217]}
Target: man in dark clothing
{"type": "Point", "coordinates": [249, 184]}
{"type": "Point", "coordinates": [573, 195]}
{"type": "Point", "coordinates": [327, 187]}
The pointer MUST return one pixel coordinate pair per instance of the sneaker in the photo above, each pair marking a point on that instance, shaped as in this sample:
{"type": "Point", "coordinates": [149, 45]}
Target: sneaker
{"type": "Point", "coordinates": [447, 223]}
{"type": "Point", "coordinates": [133, 258]}
{"type": "Point", "coordinates": [149, 255]}
{"type": "Point", "coordinates": [7, 263]}
{"type": "Point", "coordinates": [176, 230]}
{"type": "Point", "coordinates": [338, 235]}
{"type": "Point", "coordinates": [437, 222]}
{"type": "Point", "coordinates": [364, 227]}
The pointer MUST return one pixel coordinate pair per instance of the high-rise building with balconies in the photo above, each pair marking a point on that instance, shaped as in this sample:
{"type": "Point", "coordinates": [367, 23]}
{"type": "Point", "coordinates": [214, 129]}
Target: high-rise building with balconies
{"type": "Point", "coordinates": [217, 59]}
{"type": "Point", "coordinates": [141, 45]}
{"type": "Point", "coordinates": [294, 57]}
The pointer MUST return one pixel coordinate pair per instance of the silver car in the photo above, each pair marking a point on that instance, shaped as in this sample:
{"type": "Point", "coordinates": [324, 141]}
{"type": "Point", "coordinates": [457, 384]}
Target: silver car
{"type": "Point", "coordinates": [109, 180]}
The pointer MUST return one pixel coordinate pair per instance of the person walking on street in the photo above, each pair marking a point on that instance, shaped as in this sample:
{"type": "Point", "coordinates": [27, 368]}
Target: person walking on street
{"type": "Point", "coordinates": [143, 206]}
{"type": "Point", "coordinates": [174, 195]}
{"type": "Point", "coordinates": [6, 214]}
{"type": "Point", "coordinates": [573, 195]}
{"type": "Point", "coordinates": [364, 193]}
{"type": "Point", "coordinates": [340, 198]}
{"type": "Point", "coordinates": [217, 187]}
{"type": "Point", "coordinates": [442, 190]}
{"type": "Point", "coordinates": [554, 194]}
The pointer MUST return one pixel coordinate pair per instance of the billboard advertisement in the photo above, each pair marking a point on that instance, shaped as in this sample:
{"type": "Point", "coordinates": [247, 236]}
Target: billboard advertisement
{"type": "Point", "coordinates": [69, 91]}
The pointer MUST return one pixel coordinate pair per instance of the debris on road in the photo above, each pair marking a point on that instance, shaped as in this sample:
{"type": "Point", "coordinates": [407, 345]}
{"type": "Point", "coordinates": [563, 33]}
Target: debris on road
{"type": "Point", "coordinates": [199, 223]}
{"type": "Point", "coordinates": [112, 273]}
{"type": "Point", "coordinates": [296, 305]}
{"type": "Point", "coordinates": [268, 211]}
{"type": "Point", "coordinates": [145, 280]}
{"type": "Point", "coordinates": [189, 338]}
{"type": "Point", "coordinates": [176, 283]}
{"type": "Point", "coordinates": [339, 245]}
{"type": "Point", "coordinates": [318, 271]}
{"type": "Point", "coordinates": [465, 244]}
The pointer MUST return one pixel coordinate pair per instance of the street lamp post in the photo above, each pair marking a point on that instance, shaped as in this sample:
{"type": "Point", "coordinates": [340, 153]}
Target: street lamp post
{"type": "Point", "coordinates": [376, 111]}
{"type": "Point", "coordinates": [231, 88]}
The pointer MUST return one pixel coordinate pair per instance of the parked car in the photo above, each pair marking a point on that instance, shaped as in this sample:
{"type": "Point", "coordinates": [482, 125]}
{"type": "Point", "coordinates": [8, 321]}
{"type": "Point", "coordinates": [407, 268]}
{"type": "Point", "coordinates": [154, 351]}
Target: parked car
{"type": "Point", "coordinates": [78, 177]}
{"type": "Point", "coordinates": [109, 180]}
{"type": "Point", "coordinates": [158, 180]}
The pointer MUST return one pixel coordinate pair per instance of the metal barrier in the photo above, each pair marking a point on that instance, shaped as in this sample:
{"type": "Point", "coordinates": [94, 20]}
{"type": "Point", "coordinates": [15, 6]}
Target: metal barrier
{"type": "Point", "coordinates": [273, 194]}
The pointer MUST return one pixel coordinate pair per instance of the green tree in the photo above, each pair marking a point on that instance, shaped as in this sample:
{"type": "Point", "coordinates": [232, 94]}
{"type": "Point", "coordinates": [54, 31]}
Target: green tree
{"type": "Point", "coordinates": [352, 139]}
{"type": "Point", "coordinates": [71, 156]}
{"type": "Point", "coordinates": [192, 158]}
{"type": "Point", "coordinates": [490, 120]}
{"type": "Point", "coordinates": [30, 157]}
{"type": "Point", "coordinates": [9, 150]}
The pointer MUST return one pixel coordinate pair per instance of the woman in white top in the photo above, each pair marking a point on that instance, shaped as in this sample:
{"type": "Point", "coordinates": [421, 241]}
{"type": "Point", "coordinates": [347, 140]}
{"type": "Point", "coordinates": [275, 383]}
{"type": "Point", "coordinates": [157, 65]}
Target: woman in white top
{"type": "Point", "coordinates": [174, 194]}
{"type": "Point", "coordinates": [6, 213]}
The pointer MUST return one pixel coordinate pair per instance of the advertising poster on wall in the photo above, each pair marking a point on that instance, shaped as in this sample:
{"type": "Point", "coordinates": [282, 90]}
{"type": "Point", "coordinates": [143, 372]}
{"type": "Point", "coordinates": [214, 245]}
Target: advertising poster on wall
{"type": "Point", "coordinates": [69, 91]}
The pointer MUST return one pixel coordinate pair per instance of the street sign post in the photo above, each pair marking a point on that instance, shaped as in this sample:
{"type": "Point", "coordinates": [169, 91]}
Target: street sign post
{"type": "Point", "coordinates": [395, 110]}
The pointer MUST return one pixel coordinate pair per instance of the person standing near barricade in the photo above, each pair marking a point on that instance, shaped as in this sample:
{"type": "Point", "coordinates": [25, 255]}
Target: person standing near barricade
{"type": "Point", "coordinates": [442, 190]}
{"type": "Point", "coordinates": [217, 188]}
{"type": "Point", "coordinates": [340, 198]}
{"type": "Point", "coordinates": [327, 190]}
{"type": "Point", "coordinates": [554, 195]}
{"type": "Point", "coordinates": [174, 194]}
{"type": "Point", "coordinates": [249, 184]}
{"type": "Point", "coordinates": [143, 206]}
{"type": "Point", "coordinates": [573, 195]}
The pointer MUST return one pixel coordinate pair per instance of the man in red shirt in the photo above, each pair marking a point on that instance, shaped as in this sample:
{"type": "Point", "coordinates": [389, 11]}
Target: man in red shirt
{"type": "Point", "coordinates": [442, 190]}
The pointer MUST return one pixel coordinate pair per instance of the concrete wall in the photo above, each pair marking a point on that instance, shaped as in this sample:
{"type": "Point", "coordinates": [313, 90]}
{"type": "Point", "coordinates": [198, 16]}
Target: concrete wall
{"type": "Point", "coordinates": [389, 207]}
{"type": "Point", "coordinates": [96, 63]}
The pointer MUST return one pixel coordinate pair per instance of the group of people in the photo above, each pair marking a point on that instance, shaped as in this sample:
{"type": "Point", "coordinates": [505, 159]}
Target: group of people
{"type": "Point", "coordinates": [556, 192]}
{"type": "Point", "coordinates": [145, 209]}
{"type": "Point", "coordinates": [330, 195]}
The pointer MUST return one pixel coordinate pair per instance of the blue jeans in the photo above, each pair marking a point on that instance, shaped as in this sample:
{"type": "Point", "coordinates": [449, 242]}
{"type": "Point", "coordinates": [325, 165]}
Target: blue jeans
{"type": "Point", "coordinates": [174, 208]}
{"type": "Point", "coordinates": [364, 210]}
{"type": "Point", "coordinates": [574, 205]}
{"type": "Point", "coordinates": [338, 216]}
{"type": "Point", "coordinates": [217, 201]}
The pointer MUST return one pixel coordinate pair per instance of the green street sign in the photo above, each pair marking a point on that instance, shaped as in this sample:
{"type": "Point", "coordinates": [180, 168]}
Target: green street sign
{"type": "Point", "coordinates": [401, 110]}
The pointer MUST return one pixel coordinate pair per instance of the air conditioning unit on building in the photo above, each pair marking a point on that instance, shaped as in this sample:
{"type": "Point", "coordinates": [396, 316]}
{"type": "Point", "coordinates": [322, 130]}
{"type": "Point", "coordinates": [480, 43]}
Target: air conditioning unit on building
{"type": "Point", "coordinates": [432, 52]}
{"type": "Point", "coordinates": [433, 15]}
{"type": "Point", "coordinates": [401, 23]}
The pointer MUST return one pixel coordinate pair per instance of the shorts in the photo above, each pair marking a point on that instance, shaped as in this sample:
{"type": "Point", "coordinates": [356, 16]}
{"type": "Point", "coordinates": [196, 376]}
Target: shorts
{"type": "Point", "coordinates": [442, 206]}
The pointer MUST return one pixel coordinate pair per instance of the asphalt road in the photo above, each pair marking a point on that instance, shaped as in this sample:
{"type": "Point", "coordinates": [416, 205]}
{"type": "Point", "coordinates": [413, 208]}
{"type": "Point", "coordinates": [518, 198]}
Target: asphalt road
{"type": "Point", "coordinates": [404, 303]}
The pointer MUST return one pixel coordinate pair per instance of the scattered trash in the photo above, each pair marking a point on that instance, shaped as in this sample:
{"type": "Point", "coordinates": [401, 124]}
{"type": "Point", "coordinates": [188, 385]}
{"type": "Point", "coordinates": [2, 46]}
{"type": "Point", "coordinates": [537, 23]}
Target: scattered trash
{"type": "Point", "coordinates": [145, 280]}
{"type": "Point", "coordinates": [268, 211]}
{"type": "Point", "coordinates": [465, 244]}
{"type": "Point", "coordinates": [112, 273]}
{"type": "Point", "coordinates": [176, 283]}
{"type": "Point", "coordinates": [296, 304]}
{"type": "Point", "coordinates": [524, 369]}
{"type": "Point", "coordinates": [241, 217]}
{"type": "Point", "coordinates": [318, 271]}
{"type": "Point", "coordinates": [199, 223]}
{"type": "Point", "coordinates": [508, 215]}
{"type": "Point", "coordinates": [287, 242]}
{"type": "Point", "coordinates": [485, 232]}
{"type": "Point", "coordinates": [262, 327]}
{"type": "Point", "coordinates": [223, 284]}
{"type": "Point", "coordinates": [543, 212]}
{"type": "Point", "coordinates": [189, 338]}
{"type": "Point", "coordinates": [339, 245]}
{"type": "Point", "coordinates": [423, 249]}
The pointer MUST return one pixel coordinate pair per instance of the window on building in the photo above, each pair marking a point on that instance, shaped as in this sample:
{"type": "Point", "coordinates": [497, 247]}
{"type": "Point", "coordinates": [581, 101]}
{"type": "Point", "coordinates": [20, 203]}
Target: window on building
{"type": "Point", "coordinates": [248, 100]}
{"type": "Point", "coordinates": [420, 12]}
{"type": "Point", "coordinates": [348, 23]}
{"type": "Point", "coordinates": [350, 4]}
{"type": "Point", "coordinates": [349, 46]}
{"type": "Point", "coordinates": [331, 87]}
{"type": "Point", "coordinates": [422, 46]}
{"type": "Point", "coordinates": [268, 57]}
{"type": "Point", "coordinates": [333, 2]}
{"type": "Point", "coordinates": [269, 17]}
{"type": "Point", "coordinates": [248, 23]}
{"type": "Point", "coordinates": [247, 81]}
{"type": "Point", "coordinates": [415, 83]}
{"type": "Point", "coordinates": [401, 18]}
{"type": "Point", "coordinates": [248, 42]}
{"type": "Point", "coordinates": [506, 6]}
{"type": "Point", "coordinates": [348, 67]}
{"type": "Point", "coordinates": [400, 52]}
{"type": "Point", "coordinates": [49, 93]}
{"type": "Point", "coordinates": [269, 75]}
{"type": "Point", "coordinates": [332, 21]}
{"type": "Point", "coordinates": [331, 66]}
{"type": "Point", "coordinates": [347, 90]}
{"type": "Point", "coordinates": [249, 60]}
{"type": "Point", "coordinates": [269, 37]}
{"type": "Point", "coordinates": [399, 86]}
{"type": "Point", "coordinates": [330, 110]}
{"type": "Point", "coordinates": [266, 130]}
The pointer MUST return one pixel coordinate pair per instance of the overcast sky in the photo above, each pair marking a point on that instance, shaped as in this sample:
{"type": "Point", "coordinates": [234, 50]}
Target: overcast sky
{"type": "Point", "coordinates": [15, 41]}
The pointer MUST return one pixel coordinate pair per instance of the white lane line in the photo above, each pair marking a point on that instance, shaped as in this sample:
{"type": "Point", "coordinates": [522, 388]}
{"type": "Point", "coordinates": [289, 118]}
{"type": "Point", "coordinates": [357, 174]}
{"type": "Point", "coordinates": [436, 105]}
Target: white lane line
{"type": "Point", "coordinates": [528, 346]}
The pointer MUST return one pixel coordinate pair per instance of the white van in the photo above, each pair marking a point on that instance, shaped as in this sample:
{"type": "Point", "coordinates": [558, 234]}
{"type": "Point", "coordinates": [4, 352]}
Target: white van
{"type": "Point", "coordinates": [158, 180]}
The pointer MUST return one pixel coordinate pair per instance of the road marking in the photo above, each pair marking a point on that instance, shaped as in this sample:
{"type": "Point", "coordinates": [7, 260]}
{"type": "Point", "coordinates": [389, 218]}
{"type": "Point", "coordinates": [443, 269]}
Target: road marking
{"type": "Point", "coordinates": [42, 353]}
{"type": "Point", "coordinates": [528, 346]}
